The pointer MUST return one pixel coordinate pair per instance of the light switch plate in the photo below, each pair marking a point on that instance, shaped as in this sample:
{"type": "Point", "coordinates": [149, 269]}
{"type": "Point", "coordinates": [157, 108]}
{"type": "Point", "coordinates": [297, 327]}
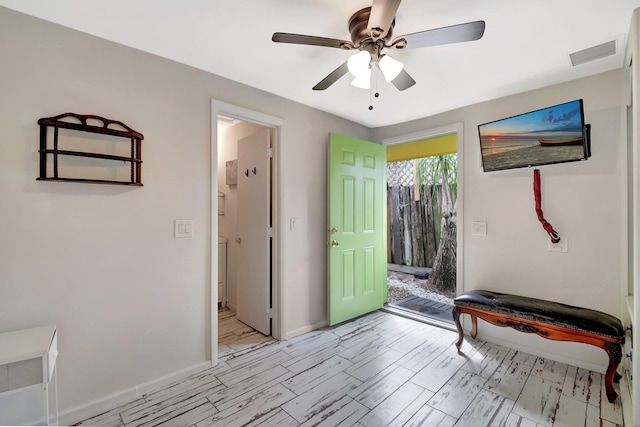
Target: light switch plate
{"type": "Point", "coordinates": [479, 228]}
{"type": "Point", "coordinates": [183, 228]}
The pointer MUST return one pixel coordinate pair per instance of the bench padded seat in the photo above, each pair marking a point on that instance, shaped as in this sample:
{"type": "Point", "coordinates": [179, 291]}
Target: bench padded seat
{"type": "Point", "coordinates": [549, 312]}
{"type": "Point", "coordinates": [548, 319]}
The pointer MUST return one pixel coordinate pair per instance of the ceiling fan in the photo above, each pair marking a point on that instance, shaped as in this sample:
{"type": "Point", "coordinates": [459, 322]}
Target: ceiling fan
{"type": "Point", "coordinates": [371, 31]}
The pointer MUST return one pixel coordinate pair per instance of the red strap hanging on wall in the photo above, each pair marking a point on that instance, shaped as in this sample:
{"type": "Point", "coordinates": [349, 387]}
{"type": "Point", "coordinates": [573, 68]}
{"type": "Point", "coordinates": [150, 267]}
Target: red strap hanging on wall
{"type": "Point", "coordinates": [555, 238]}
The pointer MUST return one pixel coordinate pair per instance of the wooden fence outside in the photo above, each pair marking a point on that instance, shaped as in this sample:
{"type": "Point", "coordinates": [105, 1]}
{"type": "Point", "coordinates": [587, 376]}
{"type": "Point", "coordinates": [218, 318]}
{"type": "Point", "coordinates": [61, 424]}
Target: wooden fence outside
{"type": "Point", "coordinates": [413, 224]}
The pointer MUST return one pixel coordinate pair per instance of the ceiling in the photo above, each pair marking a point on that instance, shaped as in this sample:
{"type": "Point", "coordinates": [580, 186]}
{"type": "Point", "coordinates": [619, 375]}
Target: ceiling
{"type": "Point", "coordinates": [526, 45]}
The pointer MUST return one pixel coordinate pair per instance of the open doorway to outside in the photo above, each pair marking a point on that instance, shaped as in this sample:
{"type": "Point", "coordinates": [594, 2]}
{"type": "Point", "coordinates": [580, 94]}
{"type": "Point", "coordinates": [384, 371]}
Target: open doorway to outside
{"type": "Point", "coordinates": [422, 227]}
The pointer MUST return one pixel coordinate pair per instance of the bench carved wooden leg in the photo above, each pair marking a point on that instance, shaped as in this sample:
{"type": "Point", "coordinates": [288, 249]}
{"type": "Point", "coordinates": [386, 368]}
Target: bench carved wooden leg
{"type": "Point", "coordinates": [474, 326]}
{"type": "Point", "coordinates": [614, 350]}
{"type": "Point", "coordinates": [456, 318]}
{"type": "Point", "coordinates": [456, 312]}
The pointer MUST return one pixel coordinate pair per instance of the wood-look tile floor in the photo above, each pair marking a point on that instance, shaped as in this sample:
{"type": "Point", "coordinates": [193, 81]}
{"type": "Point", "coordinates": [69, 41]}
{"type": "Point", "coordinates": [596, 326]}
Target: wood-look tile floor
{"type": "Point", "coordinates": [377, 370]}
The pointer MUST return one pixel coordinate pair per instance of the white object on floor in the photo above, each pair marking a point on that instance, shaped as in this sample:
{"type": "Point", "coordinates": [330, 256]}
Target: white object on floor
{"type": "Point", "coordinates": [28, 359]}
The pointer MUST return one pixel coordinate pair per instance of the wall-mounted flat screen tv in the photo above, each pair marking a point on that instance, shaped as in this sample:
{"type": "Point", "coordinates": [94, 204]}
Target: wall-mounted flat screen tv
{"type": "Point", "coordinates": [554, 134]}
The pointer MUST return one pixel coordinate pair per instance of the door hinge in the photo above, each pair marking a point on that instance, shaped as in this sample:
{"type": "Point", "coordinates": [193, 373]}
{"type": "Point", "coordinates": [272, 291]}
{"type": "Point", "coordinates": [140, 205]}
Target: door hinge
{"type": "Point", "coordinates": [269, 152]}
{"type": "Point", "coordinates": [269, 313]}
{"type": "Point", "coordinates": [270, 232]}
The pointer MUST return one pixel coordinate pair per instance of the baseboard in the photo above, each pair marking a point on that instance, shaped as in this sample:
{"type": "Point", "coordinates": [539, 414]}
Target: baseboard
{"type": "Point", "coordinates": [232, 307]}
{"type": "Point", "coordinates": [95, 407]}
{"type": "Point", "coordinates": [627, 402]}
{"type": "Point", "coordinates": [544, 354]}
{"type": "Point", "coordinates": [98, 406]}
{"type": "Point", "coordinates": [168, 379]}
{"type": "Point", "coordinates": [305, 329]}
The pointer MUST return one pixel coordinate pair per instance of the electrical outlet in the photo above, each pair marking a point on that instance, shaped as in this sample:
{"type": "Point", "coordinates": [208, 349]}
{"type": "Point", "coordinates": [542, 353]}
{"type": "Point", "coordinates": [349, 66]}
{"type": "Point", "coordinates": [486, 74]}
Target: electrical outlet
{"type": "Point", "coordinates": [561, 246]}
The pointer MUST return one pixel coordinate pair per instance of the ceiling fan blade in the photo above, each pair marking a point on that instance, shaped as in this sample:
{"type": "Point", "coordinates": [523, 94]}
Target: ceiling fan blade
{"type": "Point", "coordinates": [332, 77]}
{"type": "Point", "coordinates": [403, 81]}
{"type": "Point", "coordinates": [311, 40]}
{"type": "Point", "coordinates": [445, 35]}
{"type": "Point", "coordinates": [383, 12]}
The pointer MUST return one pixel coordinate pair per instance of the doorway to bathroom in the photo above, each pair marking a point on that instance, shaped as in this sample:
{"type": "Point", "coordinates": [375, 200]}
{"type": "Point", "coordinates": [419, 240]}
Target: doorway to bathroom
{"type": "Point", "coordinates": [276, 126]}
{"type": "Point", "coordinates": [245, 223]}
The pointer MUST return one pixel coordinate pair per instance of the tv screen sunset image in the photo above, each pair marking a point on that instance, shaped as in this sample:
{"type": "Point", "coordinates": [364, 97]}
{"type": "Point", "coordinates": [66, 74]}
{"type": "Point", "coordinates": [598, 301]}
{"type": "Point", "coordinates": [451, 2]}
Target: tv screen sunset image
{"type": "Point", "coordinates": [550, 135]}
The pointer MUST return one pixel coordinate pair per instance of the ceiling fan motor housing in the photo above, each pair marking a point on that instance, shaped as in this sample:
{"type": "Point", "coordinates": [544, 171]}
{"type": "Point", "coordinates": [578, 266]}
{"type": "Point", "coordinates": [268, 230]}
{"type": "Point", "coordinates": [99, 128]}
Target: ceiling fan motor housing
{"type": "Point", "coordinates": [358, 27]}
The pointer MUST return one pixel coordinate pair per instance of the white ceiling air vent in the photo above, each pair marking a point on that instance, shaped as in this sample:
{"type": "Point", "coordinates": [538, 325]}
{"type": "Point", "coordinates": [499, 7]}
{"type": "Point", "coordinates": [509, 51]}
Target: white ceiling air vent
{"type": "Point", "coordinates": [593, 53]}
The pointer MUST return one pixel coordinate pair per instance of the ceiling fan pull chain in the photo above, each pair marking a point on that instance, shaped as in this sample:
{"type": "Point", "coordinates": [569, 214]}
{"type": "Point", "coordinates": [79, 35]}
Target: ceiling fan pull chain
{"type": "Point", "coordinates": [371, 98]}
{"type": "Point", "coordinates": [376, 94]}
{"type": "Point", "coordinates": [373, 88]}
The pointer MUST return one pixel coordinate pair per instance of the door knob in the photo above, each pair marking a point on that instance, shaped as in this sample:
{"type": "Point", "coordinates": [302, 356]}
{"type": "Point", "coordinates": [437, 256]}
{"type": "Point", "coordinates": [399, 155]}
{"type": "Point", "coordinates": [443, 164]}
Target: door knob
{"type": "Point", "coordinates": [238, 240]}
{"type": "Point", "coordinates": [333, 230]}
{"type": "Point", "coordinates": [334, 243]}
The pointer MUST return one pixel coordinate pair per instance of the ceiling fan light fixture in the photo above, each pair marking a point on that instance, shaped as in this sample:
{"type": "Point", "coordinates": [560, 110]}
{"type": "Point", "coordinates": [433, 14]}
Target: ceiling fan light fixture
{"type": "Point", "coordinates": [390, 67]}
{"type": "Point", "coordinates": [363, 80]}
{"type": "Point", "coordinates": [359, 63]}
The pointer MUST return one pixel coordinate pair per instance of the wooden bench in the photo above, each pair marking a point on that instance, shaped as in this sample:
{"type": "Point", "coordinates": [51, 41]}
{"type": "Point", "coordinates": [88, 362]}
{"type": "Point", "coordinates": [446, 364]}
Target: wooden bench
{"type": "Point", "coordinates": [548, 319]}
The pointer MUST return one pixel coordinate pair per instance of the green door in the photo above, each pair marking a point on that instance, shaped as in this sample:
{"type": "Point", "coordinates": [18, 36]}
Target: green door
{"type": "Point", "coordinates": [357, 223]}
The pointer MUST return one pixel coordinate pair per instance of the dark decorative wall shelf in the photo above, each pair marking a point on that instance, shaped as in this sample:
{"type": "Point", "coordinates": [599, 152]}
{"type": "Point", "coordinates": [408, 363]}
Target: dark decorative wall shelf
{"type": "Point", "coordinates": [92, 124]}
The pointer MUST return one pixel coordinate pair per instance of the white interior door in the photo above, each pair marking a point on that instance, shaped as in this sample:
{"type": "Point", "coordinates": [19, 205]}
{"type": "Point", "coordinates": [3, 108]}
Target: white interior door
{"type": "Point", "coordinates": [253, 269]}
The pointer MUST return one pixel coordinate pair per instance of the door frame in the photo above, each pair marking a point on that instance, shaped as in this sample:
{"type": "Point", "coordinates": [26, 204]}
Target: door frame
{"type": "Point", "coordinates": [277, 261]}
{"type": "Point", "coordinates": [458, 129]}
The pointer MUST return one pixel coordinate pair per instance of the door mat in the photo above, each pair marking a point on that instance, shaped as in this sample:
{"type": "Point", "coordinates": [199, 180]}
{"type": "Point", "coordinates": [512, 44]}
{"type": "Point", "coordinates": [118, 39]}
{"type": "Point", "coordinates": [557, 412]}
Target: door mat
{"type": "Point", "coordinates": [425, 307]}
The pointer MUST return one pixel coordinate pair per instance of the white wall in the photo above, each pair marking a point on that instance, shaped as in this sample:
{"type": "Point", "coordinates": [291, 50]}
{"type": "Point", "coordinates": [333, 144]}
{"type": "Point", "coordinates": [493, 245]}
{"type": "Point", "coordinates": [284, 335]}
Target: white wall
{"type": "Point", "coordinates": [584, 201]}
{"type": "Point", "coordinates": [228, 223]}
{"type": "Point", "coordinates": [131, 302]}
